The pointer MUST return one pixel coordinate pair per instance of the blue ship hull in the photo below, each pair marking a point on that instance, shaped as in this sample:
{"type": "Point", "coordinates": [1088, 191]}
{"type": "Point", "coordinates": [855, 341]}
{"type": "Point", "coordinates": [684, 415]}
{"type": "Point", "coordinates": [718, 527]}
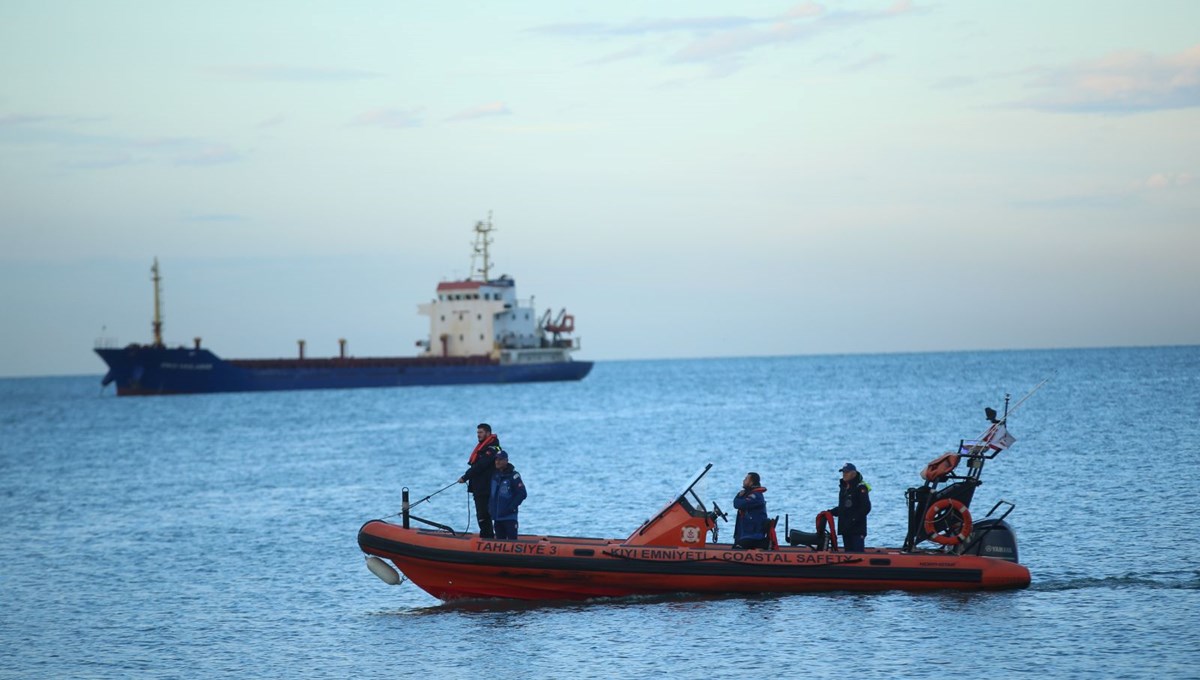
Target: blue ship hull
{"type": "Point", "coordinates": [149, 370]}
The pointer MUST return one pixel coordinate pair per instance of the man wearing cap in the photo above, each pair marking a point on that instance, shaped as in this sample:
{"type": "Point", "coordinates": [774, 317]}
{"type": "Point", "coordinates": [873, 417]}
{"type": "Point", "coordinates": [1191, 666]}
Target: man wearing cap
{"type": "Point", "coordinates": [854, 503]}
{"type": "Point", "coordinates": [507, 493]}
{"type": "Point", "coordinates": [478, 476]}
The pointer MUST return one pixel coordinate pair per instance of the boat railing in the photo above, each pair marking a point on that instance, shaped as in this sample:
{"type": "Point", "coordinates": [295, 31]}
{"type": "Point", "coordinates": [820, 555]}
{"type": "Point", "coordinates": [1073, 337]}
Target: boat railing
{"type": "Point", "coordinates": [560, 343]}
{"type": "Point", "coordinates": [406, 516]}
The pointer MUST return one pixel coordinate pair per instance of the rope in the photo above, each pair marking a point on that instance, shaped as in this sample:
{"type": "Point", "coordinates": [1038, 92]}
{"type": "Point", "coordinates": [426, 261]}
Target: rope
{"type": "Point", "coordinates": [410, 507]}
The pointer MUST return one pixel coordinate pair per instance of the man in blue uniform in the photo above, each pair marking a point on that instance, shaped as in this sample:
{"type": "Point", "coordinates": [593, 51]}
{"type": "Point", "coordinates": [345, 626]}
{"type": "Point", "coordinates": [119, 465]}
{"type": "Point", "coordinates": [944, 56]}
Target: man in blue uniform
{"type": "Point", "coordinates": [507, 493]}
{"type": "Point", "coordinates": [750, 531]}
{"type": "Point", "coordinates": [854, 503]}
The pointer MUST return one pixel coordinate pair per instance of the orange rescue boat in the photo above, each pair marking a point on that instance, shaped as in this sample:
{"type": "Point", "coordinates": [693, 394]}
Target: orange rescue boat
{"type": "Point", "coordinates": [669, 554]}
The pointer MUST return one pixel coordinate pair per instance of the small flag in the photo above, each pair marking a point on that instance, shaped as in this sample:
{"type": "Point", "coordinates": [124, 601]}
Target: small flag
{"type": "Point", "coordinates": [997, 438]}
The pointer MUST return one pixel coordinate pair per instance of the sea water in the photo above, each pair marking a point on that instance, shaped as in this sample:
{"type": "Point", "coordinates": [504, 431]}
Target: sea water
{"type": "Point", "coordinates": [215, 535]}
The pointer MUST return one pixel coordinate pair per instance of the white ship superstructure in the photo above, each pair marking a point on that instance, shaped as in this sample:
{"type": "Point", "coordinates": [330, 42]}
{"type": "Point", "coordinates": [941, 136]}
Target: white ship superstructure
{"type": "Point", "coordinates": [482, 317]}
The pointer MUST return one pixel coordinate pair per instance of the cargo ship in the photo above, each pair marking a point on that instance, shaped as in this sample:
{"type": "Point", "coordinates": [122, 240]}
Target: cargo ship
{"type": "Point", "coordinates": [479, 332]}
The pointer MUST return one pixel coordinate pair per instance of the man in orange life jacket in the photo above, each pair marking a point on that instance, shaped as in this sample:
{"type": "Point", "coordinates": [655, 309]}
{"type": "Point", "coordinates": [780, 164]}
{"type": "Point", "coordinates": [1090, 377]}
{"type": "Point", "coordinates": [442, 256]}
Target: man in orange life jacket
{"type": "Point", "coordinates": [479, 476]}
{"type": "Point", "coordinates": [750, 531]}
{"type": "Point", "coordinates": [854, 503]}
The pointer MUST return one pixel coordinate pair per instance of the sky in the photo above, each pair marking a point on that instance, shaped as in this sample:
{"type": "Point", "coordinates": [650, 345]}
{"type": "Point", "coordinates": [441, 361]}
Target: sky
{"type": "Point", "coordinates": [688, 179]}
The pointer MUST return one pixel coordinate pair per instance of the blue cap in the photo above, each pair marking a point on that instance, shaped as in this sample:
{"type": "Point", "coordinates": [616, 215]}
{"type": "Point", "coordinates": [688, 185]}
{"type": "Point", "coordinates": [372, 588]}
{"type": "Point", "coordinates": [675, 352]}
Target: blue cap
{"type": "Point", "coordinates": [848, 467]}
{"type": "Point", "coordinates": [501, 455]}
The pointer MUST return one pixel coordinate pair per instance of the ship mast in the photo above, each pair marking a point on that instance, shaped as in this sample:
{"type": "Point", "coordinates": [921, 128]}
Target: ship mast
{"type": "Point", "coordinates": [157, 305]}
{"type": "Point", "coordinates": [482, 241]}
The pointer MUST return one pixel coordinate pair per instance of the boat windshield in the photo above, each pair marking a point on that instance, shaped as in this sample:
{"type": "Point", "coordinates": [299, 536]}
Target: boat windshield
{"type": "Point", "coordinates": [690, 489]}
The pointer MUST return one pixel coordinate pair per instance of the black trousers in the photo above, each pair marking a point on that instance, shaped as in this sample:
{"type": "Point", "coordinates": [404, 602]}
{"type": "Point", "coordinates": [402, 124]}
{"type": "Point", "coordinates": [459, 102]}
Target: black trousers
{"type": "Point", "coordinates": [506, 530]}
{"type": "Point", "coordinates": [483, 515]}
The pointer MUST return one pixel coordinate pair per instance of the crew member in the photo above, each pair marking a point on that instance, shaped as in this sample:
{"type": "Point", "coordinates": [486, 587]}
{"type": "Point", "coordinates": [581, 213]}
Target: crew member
{"type": "Point", "coordinates": [507, 493]}
{"type": "Point", "coordinates": [478, 476]}
{"type": "Point", "coordinates": [854, 503]}
{"type": "Point", "coordinates": [750, 531]}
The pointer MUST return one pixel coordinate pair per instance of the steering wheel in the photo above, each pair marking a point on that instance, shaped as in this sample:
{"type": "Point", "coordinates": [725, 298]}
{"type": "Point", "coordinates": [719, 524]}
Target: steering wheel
{"type": "Point", "coordinates": [717, 512]}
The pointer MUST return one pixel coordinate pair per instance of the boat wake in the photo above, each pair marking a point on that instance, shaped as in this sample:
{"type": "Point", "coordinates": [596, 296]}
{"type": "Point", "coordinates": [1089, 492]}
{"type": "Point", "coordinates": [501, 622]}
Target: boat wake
{"type": "Point", "coordinates": [1164, 580]}
{"type": "Point", "coordinates": [503, 605]}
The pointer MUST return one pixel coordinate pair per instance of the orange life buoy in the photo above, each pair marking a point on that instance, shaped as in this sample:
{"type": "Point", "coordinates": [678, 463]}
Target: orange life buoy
{"type": "Point", "coordinates": [937, 508]}
{"type": "Point", "coordinates": [940, 467]}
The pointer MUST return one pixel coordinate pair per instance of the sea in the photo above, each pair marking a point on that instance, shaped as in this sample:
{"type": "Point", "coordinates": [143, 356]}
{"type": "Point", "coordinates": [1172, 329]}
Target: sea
{"type": "Point", "coordinates": [214, 535]}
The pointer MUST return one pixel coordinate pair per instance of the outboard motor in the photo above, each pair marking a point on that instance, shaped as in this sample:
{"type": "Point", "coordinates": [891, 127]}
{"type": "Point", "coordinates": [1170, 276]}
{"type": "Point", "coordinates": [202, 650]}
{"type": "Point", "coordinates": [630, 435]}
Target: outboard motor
{"type": "Point", "coordinates": [992, 538]}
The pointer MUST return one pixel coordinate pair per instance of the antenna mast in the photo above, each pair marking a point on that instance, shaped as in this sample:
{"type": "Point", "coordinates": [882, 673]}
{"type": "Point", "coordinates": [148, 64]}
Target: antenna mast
{"type": "Point", "coordinates": [157, 304]}
{"type": "Point", "coordinates": [482, 241]}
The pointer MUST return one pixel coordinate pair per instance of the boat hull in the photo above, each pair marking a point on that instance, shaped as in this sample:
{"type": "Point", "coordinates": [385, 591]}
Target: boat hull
{"type": "Point", "coordinates": [548, 567]}
{"type": "Point", "coordinates": [148, 370]}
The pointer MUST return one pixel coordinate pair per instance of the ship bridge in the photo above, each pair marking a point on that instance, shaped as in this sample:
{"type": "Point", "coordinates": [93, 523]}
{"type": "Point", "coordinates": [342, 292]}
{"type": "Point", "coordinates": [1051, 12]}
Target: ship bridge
{"type": "Point", "coordinates": [472, 318]}
{"type": "Point", "coordinates": [483, 317]}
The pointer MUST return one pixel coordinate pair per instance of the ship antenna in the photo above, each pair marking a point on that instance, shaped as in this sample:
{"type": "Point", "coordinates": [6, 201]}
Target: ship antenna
{"type": "Point", "coordinates": [157, 304]}
{"type": "Point", "coordinates": [482, 241]}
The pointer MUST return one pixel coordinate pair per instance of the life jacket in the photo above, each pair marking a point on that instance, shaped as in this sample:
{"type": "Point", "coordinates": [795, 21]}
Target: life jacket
{"type": "Point", "coordinates": [487, 441]}
{"type": "Point", "coordinates": [752, 522]}
{"type": "Point", "coordinates": [757, 489]}
{"type": "Point", "coordinates": [939, 468]}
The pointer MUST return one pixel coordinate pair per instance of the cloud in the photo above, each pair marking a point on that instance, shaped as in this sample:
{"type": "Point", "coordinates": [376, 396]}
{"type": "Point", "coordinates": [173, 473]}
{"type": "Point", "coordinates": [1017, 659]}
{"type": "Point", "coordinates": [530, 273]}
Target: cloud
{"type": "Point", "coordinates": [867, 62]}
{"type": "Point", "coordinates": [1112, 201]}
{"type": "Point", "coordinates": [482, 111]}
{"type": "Point", "coordinates": [644, 27]}
{"type": "Point", "coordinates": [272, 122]}
{"type": "Point", "coordinates": [188, 150]}
{"type": "Point", "coordinates": [1165, 180]}
{"type": "Point", "coordinates": [955, 82]}
{"type": "Point", "coordinates": [92, 151]}
{"type": "Point", "coordinates": [803, 10]}
{"type": "Point", "coordinates": [1130, 195]}
{"type": "Point", "coordinates": [207, 154]}
{"type": "Point", "coordinates": [15, 119]}
{"type": "Point", "coordinates": [291, 74]}
{"type": "Point", "coordinates": [104, 162]}
{"type": "Point", "coordinates": [617, 56]}
{"type": "Point", "coordinates": [802, 23]}
{"type": "Point", "coordinates": [390, 118]}
{"type": "Point", "coordinates": [1124, 82]}
{"type": "Point", "coordinates": [214, 217]}
{"type": "Point", "coordinates": [719, 41]}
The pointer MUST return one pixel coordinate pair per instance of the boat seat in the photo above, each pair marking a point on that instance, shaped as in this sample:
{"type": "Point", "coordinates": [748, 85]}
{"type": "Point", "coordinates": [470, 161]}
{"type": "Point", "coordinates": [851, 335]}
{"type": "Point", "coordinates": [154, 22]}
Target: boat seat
{"type": "Point", "coordinates": [796, 537]}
